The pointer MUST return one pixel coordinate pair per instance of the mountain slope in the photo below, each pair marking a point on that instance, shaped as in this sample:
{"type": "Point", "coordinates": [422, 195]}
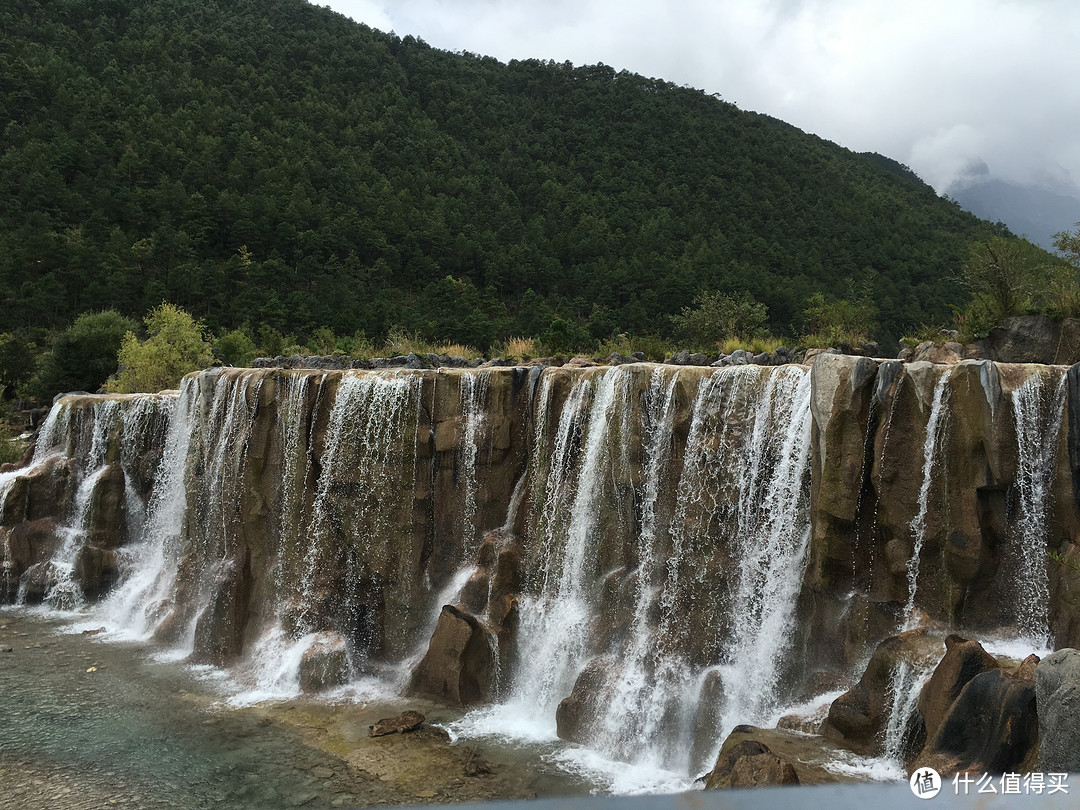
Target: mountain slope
{"type": "Point", "coordinates": [273, 162]}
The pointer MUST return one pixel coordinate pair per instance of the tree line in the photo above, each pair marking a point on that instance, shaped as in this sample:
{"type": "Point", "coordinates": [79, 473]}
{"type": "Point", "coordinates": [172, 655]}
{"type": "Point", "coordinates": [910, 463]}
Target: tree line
{"type": "Point", "coordinates": [280, 172]}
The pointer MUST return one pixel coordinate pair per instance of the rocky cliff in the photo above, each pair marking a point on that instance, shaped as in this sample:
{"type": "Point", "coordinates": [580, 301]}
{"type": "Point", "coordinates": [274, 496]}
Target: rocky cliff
{"type": "Point", "coordinates": [639, 557]}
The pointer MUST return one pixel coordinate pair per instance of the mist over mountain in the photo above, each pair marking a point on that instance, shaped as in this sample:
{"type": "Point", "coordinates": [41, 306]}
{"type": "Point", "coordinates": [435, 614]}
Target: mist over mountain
{"type": "Point", "coordinates": [1037, 210]}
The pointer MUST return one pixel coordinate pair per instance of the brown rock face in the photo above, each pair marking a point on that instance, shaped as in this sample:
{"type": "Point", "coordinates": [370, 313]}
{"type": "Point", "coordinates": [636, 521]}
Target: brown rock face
{"type": "Point", "coordinates": [219, 631]}
{"type": "Point", "coordinates": [991, 727]}
{"type": "Point", "coordinates": [324, 664]}
{"type": "Point", "coordinates": [96, 570]}
{"type": "Point", "coordinates": [459, 665]}
{"type": "Point", "coordinates": [963, 660]}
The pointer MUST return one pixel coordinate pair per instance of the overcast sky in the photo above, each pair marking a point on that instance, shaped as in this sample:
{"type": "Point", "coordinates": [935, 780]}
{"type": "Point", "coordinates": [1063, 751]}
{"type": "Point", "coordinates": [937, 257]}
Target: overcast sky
{"type": "Point", "coordinates": [931, 83]}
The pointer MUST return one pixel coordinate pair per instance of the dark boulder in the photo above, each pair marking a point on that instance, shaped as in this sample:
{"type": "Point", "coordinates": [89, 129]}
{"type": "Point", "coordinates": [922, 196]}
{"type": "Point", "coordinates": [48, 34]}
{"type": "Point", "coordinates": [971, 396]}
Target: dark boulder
{"type": "Point", "coordinates": [749, 763]}
{"type": "Point", "coordinates": [219, 630]}
{"type": "Point", "coordinates": [857, 719]}
{"type": "Point", "coordinates": [325, 664]}
{"type": "Point", "coordinates": [1057, 688]}
{"type": "Point", "coordinates": [991, 727]}
{"type": "Point", "coordinates": [578, 711]}
{"type": "Point", "coordinates": [96, 570]}
{"type": "Point", "coordinates": [963, 660]}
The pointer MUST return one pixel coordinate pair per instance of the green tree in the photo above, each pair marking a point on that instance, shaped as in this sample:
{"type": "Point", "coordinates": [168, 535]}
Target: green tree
{"type": "Point", "coordinates": [1004, 276]}
{"type": "Point", "coordinates": [236, 347]}
{"type": "Point", "coordinates": [83, 356]}
{"type": "Point", "coordinates": [1068, 244]}
{"type": "Point", "coordinates": [717, 316]}
{"type": "Point", "coordinates": [176, 346]}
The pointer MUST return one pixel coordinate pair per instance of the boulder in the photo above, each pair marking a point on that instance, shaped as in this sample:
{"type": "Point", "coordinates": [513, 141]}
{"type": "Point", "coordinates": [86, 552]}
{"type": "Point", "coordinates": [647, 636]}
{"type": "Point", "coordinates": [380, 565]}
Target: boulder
{"type": "Point", "coordinates": [325, 664]}
{"type": "Point", "coordinates": [948, 352]}
{"type": "Point", "coordinates": [37, 580]}
{"type": "Point", "coordinates": [1030, 339]}
{"type": "Point", "coordinates": [749, 763]}
{"type": "Point", "coordinates": [586, 702]}
{"type": "Point", "coordinates": [96, 570]}
{"type": "Point", "coordinates": [1057, 689]}
{"type": "Point", "coordinates": [107, 516]}
{"type": "Point", "coordinates": [459, 665]}
{"type": "Point", "coordinates": [963, 660]}
{"type": "Point", "coordinates": [991, 727]}
{"type": "Point", "coordinates": [857, 719]}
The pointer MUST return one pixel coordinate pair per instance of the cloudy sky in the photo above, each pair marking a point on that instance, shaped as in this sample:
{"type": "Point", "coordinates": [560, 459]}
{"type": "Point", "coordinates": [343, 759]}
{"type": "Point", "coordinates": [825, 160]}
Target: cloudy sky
{"type": "Point", "coordinates": [932, 83]}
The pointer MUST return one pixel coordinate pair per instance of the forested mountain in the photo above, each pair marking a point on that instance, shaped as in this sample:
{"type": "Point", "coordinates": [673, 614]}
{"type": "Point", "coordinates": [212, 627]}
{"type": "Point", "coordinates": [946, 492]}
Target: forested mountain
{"type": "Point", "coordinates": [270, 161]}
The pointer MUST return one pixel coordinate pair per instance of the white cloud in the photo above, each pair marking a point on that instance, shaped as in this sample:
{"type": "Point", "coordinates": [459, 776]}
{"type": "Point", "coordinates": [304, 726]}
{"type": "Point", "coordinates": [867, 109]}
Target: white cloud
{"type": "Point", "coordinates": [929, 83]}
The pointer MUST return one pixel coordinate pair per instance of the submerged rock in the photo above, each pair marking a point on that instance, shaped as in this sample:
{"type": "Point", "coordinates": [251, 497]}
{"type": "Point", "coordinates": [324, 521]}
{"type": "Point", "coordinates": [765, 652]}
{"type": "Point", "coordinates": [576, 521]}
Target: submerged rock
{"type": "Point", "coordinates": [398, 724]}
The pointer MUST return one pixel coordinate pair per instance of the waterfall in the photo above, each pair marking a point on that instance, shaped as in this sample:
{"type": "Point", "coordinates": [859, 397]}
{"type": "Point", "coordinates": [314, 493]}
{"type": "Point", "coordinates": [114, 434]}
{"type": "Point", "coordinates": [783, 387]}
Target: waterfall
{"type": "Point", "coordinates": [65, 593]}
{"type": "Point", "coordinates": [474, 388]}
{"type": "Point", "coordinates": [1038, 425]}
{"type": "Point", "coordinates": [905, 686]}
{"type": "Point", "coordinates": [935, 426]}
{"type": "Point", "coordinates": [371, 415]}
{"type": "Point", "coordinates": [555, 618]}
{"type": "Point", "coordinates": [148, 567]}
{"type": "Point", "coordinates": [773, 534]}
{"type": "Point", "coordinates": [621, 728]}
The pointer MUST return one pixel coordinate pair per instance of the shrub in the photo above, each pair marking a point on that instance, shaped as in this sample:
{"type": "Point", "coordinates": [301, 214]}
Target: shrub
{"type": "Point", "coordinates": [175, 346]}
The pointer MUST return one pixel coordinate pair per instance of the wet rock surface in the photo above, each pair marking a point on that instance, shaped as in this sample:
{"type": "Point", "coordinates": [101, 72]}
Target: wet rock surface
{"type": "Point", "coordinates": [992, 727]}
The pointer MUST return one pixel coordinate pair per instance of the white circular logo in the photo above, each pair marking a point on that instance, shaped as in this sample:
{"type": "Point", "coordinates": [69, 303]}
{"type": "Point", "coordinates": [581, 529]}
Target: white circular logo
{"type": "Point", "coordinates": [925, 783]}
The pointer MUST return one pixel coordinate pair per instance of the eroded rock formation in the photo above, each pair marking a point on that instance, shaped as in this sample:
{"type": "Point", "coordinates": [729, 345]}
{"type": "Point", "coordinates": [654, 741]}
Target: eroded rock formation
{"type": "Point", "coordinates": [648, 554]}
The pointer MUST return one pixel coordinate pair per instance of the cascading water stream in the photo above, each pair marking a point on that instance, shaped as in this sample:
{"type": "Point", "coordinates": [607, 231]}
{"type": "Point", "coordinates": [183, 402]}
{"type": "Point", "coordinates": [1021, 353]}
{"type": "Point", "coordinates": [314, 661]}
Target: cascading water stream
{"type": "Point", "coordinates": [1038, 426]}
{"type": "Point", "coordinates": [474, 389]}
{"type": "Point", "coordinates": [65, 593]}
{"type": "Point", "coordinates": [935, 426]}
{"type": "Point", "coordinates": [553, 635]}
{"type": "Point", "coordinates": [145, 592]}
{"type": "Point", "coordinates": [773, 535]}
{"type": "Point", "coordinates": [620, 733]}
{"type": "Point", "coordinates": [905, 686]}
